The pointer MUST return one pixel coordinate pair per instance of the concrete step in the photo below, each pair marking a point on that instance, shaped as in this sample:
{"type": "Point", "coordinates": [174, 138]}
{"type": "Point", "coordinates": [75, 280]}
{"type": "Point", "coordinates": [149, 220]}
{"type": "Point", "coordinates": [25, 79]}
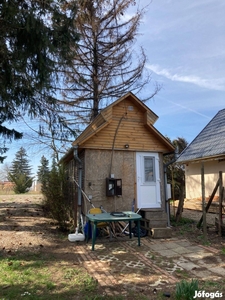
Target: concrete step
{"type": "Point", "coordinates": [153, 214]}
{"type": "Point", "coordinates": [158, 223]}
{"type": "Point", "coordinates": [153, 218]}
{"type": "Point", "coordinates": [161, 233]}
{"type": "Point", "coordinates": [148, 224]}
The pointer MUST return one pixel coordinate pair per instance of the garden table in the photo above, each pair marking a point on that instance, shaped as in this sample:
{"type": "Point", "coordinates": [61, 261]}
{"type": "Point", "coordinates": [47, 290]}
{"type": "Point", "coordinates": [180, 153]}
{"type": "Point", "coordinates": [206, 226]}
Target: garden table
{"type": "Point", "coordinates": [129, 216]}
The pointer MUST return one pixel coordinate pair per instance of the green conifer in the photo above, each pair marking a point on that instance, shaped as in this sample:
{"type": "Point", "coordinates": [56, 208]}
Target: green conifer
{"type": "Point", "coordinates": [43, 174]}
{"type": "Point", "coordinates": [20, 172]}
{"type": "Point", "coordinates": [37, 44]}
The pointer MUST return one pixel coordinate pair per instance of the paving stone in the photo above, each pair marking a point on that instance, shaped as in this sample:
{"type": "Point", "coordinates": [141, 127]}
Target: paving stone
{"type": "Point", "coordinates": [187, 265]}
{"type": "Point", "coordinates": [198, 255]}
{"type": "Point", "coordinates": [185, 244]}
{"type": "Point", "coordinates": [194, 248]}
{"type": "Point", "coordinates": [209, 265]}
{"type": "Point", "coordinates": [171, 245]}
{"type": "Point", "coordinates": [151, 260]}
{"type": "Point", "coordinates": [173, 239]}
{"type": "Point", "coordinates": [157, 247]}
{"type": "Point", "coordinates": [168, 253]}
{"type": "Point", "coordinates": [218, 270]}
{"type": "Point", "coordinates": [203, 274]}
{"type": "Point", "coordinates": [182, 250]}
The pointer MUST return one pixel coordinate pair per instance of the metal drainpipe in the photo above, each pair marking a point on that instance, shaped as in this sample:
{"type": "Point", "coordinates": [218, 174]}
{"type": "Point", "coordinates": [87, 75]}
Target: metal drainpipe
{"type": "Point", "coordinates": [75, 154]}
{"type": "Point", "coordinates": [165, 185]}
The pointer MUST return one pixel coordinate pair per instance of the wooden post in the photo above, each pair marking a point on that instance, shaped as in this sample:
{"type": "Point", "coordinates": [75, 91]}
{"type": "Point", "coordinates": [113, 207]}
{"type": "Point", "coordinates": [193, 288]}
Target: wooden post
{"type": "Point", "coordinates": [220, 203]}
{"type": "Point", "coordinates": [209, 202]}
{"type": "Point", "coordinates": [203, 202]}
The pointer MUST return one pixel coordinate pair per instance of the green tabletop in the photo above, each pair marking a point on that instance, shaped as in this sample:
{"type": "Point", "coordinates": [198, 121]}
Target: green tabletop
{"type": "Point", "coordinates": [108, 217]}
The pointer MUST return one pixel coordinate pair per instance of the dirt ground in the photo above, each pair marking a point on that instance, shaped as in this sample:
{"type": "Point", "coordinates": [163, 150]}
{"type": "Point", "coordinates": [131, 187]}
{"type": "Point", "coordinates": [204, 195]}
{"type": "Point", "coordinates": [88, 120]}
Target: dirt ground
{"type": "Point", "coordinates": [24, 227]}
{"type": "Point", "coordinates": [196, 235]}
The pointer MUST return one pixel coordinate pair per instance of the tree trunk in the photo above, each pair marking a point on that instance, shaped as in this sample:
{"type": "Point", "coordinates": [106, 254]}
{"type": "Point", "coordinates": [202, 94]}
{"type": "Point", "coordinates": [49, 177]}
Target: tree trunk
{"type": "Point", "coordinates": [181, 204]}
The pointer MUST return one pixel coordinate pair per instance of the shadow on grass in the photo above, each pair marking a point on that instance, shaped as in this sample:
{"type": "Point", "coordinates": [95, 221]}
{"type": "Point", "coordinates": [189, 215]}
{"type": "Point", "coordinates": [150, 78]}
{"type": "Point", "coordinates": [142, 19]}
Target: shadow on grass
{"type": "Point", "coordinates": [27, 276]}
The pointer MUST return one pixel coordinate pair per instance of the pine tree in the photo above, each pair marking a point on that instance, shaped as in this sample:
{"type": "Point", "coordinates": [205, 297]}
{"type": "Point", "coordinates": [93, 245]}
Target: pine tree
{"type": "Point", "coordinates": [6, 133]}
{"type": "Point", "coordinates": [20, 172]}
{"type": "Point", "coordinates": [43, 174]}
{"type": "Point", "coordinates": [37, 44]}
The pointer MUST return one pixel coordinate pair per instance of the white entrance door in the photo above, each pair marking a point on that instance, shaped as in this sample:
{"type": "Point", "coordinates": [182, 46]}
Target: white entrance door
{"type": "Point", "coordinates": [148, 181]}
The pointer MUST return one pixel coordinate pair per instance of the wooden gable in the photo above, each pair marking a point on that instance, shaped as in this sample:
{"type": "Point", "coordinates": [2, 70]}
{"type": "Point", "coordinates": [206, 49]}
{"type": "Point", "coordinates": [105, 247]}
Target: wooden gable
{"type": "Point", "coordinates": [126, 124]}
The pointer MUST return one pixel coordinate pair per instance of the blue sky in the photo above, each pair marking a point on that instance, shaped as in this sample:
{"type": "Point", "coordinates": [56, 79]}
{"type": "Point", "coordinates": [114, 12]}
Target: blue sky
{"type": "Point", "coordinates": [185, 45]}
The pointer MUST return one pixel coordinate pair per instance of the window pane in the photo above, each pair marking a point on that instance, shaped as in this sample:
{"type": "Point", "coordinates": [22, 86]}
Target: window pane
{"type": "Point", "coordinates": [149, 169]}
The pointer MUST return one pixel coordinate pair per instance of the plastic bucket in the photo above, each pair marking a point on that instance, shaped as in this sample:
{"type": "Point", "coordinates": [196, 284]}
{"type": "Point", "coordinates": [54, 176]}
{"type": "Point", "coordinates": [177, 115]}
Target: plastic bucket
{"type": "Point", "coordinates": [76, 237]}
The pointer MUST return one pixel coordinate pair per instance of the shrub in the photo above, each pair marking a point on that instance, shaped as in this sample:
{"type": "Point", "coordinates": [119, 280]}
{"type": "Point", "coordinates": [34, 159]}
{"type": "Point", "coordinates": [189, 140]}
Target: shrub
{"type": "Point", "coordinates": [54, 196]}
{"type": "Point", "coordinates": [185, 290]}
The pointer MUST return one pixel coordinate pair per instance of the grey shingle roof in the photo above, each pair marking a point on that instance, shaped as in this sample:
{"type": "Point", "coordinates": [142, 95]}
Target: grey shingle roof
{"type": "Point", "coordinates": [209, 142]}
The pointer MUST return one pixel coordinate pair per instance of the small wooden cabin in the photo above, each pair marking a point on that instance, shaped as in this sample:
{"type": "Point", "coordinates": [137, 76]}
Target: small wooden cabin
{"type": "Point", "coordinates": [120, 155]}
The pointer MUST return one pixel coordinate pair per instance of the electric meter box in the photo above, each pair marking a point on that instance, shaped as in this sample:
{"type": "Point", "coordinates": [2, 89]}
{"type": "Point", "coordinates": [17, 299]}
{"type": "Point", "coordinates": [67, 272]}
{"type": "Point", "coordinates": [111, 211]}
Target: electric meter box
{"type": "Point", "coordinates": [113, 187]}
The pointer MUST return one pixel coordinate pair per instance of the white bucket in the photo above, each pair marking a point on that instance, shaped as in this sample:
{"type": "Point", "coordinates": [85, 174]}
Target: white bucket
{"type": "Point", "coordinates": [76, 237]}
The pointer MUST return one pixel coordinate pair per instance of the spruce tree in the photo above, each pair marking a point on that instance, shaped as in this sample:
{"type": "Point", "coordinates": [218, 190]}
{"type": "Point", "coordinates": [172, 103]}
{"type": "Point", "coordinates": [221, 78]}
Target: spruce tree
{"type": "Point", "coordinates": [37, 44]}
{"type": "Point", "coordinates": [43, 174]}
{"type": "Point", "coordinates": [20, 172]}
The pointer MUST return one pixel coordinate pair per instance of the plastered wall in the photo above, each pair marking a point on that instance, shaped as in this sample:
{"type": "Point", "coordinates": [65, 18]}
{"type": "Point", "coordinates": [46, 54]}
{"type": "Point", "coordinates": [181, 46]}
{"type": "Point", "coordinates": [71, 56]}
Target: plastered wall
{"type": "Point", "coordinates": [98, 165]}
{"type": "Point", "coordinates": [193, 178]}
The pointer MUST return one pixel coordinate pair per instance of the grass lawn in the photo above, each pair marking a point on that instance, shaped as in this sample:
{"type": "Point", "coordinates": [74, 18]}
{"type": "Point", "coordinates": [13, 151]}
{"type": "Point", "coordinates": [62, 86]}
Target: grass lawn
{"type": "Point", "coordinates": [38, 277]}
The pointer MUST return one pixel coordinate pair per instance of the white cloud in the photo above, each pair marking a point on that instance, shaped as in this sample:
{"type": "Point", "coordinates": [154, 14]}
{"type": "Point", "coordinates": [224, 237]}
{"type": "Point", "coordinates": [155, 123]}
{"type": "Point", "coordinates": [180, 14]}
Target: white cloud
{"type": "Point", "coordinates": [211, 83]}
{"type": "Point", "coordinates": [189, 109]}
